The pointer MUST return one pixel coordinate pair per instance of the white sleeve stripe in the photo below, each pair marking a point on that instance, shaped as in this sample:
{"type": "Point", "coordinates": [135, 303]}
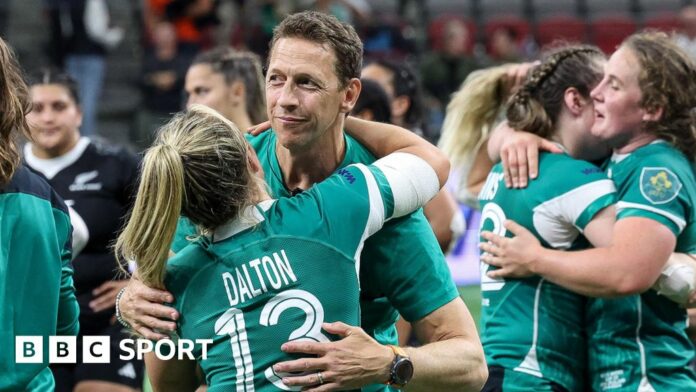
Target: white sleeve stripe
{"type": "Point", "coordinates": [681, 223]}
{"type": "Point", "coordinates": [412, 180]}
{"type": "Point", "coordinates": [572, 204]}
{"type": "Point", "coordinates": [375, 219]}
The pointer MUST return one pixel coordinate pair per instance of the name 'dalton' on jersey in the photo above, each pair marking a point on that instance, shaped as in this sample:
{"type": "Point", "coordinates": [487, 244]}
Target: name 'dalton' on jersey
{"type": "Point", "coordinates": [273, 272]}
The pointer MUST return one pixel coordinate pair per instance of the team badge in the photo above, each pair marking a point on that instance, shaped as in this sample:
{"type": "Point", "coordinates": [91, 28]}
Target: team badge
{"type": "Point", "coordinates": [659, 185]}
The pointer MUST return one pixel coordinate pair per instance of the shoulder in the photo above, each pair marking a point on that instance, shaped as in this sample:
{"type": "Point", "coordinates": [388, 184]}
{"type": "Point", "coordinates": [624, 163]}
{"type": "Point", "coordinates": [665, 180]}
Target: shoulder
{"type": "Point", "coordinates": [260, 141]}
{"type": "Point", "coordinates": [27, 181]}
{"type": "Point", "coordinates": [662, 171]}
{"type": "Point", "coordinates": [182, 267]}
{"type": "Point", "coordinates": [356, 152]}
{"type": "Point", "coordinates": [565, 171]}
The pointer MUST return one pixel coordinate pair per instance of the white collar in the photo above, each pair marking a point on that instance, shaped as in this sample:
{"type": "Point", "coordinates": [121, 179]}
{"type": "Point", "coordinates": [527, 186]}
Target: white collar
{"type": "Point", "coordinates": [52, 166]}
{"type": "Point", "coordinates": [251, 216]}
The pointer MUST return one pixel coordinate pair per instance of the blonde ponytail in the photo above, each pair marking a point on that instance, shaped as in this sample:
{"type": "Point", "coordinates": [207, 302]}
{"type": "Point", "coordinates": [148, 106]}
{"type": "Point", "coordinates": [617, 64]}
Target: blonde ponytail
{"type": "Point", "coordinates": [472, 112]}
{"type": "Point", "coordinates": [150, 229]}
{"type": "Point", "coordinates": [199, 168]}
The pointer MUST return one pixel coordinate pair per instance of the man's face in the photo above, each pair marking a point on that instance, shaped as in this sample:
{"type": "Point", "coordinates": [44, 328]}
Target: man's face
{"type": "Point", "coordinates": [303, 94]}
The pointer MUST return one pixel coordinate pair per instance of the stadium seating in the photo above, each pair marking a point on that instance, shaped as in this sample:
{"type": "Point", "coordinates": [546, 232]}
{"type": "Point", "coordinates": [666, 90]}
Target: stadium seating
{"type": "Point", "coordinates": [666, 21]}
{"type": "Point", "coordinates": [562, 27]}
{"type": "Point", "coordinates": [544, 9]}
{"type": "Point", "coordinates": [496, 9]}
{"type": "Point", "coordinates": [608, 32]}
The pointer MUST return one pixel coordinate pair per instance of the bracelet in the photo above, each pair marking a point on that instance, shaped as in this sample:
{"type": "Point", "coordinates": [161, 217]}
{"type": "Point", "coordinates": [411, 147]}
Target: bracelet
{"type": "Point", "coordinates": [118, 309]}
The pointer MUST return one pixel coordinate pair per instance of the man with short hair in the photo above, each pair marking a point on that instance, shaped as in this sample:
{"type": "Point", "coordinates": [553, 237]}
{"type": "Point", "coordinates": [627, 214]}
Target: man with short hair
{"type": "Point", "coordinates": [312, 83]}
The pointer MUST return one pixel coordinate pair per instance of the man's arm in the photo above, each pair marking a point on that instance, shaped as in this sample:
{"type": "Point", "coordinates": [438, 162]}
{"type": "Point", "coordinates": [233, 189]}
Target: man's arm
{"type": "Point", "coordinates": [453, 357]}
{"type": "Point", "coordinates": [452, 360]}
{"type": "Point", "coordinates": [440, 211]}
{"type": "Point", "coordinates": [384, 139]}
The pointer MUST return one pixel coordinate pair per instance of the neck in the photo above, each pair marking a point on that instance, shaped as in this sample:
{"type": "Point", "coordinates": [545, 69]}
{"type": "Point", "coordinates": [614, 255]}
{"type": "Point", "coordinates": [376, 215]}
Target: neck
{"type": "Point", "coordinates": [304, 167]}
{"type": "Point", "coordinates": [241, 119]}
{"type": "Point", "coordinates": [635, 142]}
{"type": "Point", "coordinates": [54, 152]}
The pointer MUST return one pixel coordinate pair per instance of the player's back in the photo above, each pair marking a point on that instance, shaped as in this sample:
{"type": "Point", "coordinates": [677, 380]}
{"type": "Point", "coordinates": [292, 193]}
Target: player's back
{"type": "Point", "coordinates": [528, 325]}
{"type": "Point", "coordinates": [34, 258]}
{"type": "Point", "coordinates": [274, 275]}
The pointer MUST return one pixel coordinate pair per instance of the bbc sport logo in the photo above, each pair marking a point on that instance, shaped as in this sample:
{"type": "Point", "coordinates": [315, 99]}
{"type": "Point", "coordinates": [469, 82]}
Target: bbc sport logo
{"type": "Point", "coordinates": [97, 349]}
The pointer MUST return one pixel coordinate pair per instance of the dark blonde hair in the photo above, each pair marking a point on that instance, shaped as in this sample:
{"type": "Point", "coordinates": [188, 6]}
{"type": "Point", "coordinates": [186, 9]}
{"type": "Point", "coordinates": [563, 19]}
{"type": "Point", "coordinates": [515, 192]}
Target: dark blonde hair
{"type": "Point", "coordinates": [244, 66]}
{"type": "Point", "coordinates": [14, 105]}
{"type": "Point", "coordinates": [472, 112]}
{"type": "Point", "coordinates": [325, 30]}
{"type": "Point", "coordinates": [667, 80]}
{"type": "Point", "coordinates": [197, 167]}
{"type": "Point", "coordinates": [535, 107]}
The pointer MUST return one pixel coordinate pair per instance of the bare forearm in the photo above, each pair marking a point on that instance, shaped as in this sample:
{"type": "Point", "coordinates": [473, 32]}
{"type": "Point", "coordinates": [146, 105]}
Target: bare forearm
{"type": "Point", "coordinates": [384, 139]}
{"type": "Point", "coordinates": [449, 365]}
{"type": "Point", "coordinates": [601, 272]}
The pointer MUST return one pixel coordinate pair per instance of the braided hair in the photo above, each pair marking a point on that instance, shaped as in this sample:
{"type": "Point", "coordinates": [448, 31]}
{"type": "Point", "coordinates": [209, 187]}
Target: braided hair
{"type": "Point", "coordinates": [535, 107]}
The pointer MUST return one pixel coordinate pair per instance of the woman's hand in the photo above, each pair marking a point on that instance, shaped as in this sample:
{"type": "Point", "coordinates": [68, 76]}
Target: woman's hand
{"type": "Point", "coordinates": [514, 257]}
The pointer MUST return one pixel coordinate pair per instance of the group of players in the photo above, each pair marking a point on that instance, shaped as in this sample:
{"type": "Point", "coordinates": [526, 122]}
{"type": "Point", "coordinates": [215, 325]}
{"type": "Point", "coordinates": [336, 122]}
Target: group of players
{"type": "Point", "coordinates": [272, 258]}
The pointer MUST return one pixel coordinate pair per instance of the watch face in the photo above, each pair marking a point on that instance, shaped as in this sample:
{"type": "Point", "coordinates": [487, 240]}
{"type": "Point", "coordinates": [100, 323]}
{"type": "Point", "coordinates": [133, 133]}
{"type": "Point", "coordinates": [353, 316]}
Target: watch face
{"type": "Point", "coordinates": [403, 371]}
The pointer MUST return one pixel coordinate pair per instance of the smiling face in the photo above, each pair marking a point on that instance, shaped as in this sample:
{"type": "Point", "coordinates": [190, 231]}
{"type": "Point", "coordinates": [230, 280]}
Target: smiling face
{"type": "Point", "coordinates": [54, 120]}
{"type": "Point", "coordinates": [618, 112]}
{"type": "Point", "coordinates": [305, 99]}
{"type": "Point", "coordinates": [207, 87]}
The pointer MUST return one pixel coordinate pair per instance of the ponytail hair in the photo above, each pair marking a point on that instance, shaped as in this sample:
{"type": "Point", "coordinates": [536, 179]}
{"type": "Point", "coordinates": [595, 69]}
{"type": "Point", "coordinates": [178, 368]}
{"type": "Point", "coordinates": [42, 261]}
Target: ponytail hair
{"type": "Point", "coordinates": [536, 106]}
{"type": "Point", "coordinates": [198, 167]}
{"type": "Point", "coordinates": [14, 105]}
{"type": "Point", "coordinates": [472, 112]}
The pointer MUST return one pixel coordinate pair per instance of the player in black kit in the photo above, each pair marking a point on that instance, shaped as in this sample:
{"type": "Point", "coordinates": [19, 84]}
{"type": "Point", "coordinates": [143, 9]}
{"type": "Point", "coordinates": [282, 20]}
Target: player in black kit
{"type": "Point", "coordinates": [97, 181]}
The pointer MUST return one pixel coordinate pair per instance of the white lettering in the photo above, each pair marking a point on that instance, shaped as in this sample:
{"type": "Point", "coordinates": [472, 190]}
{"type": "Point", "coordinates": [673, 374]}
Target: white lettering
{"type": "Point", "coordinates": [284, 266]}
{"type": "Point", "coordinates": [227, 277]}
{"type": "Point", "coordinates": [255, 265]}
{"type": "Point", "coordinates": [273, 278]}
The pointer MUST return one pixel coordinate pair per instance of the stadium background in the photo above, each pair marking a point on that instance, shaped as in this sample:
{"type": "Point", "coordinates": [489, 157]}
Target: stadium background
{"type": "Point", "coordinates": [400, 29]}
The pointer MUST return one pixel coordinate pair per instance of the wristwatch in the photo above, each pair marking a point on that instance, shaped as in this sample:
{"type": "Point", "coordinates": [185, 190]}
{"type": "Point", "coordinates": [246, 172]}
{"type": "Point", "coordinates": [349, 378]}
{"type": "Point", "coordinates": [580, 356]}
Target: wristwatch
{"type": "Point", "coordinates": [401, 368]}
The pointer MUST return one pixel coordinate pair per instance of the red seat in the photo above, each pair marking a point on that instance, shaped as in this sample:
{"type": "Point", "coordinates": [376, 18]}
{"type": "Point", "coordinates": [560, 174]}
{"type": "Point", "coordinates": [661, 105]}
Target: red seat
{"type": "Point", "coordinates": [667, 22]}
{"type": "Point", "coordinates": [561, 27]}
{"type": "Point", "coordinates": [608, 32]}
{"type": "Point", "coordinates": [436, 31]}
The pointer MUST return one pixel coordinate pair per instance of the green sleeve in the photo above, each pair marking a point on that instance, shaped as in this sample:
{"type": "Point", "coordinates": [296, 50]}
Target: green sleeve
{"type": "Point", "coordinates": [404, 263]}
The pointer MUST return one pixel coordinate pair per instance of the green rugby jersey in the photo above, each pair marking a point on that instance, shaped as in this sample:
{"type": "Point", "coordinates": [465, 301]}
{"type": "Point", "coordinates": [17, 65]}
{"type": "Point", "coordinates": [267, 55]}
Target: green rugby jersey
{"type": "Point", "coordinates": [638, 343]}
{"type": "Point", "coordinates": [403, 269]}
{"type": "Point", "coordinates": [530, 325]}
{"type": "Point", "coordinates": [276, 275]}
{"type": "Point", "coordinates": [37, 297]}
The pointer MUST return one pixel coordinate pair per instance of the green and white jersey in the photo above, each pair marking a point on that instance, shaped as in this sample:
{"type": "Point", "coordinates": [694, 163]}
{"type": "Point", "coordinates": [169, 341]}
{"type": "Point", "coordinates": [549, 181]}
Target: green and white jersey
{"type": "Point", "coordinates": [281, 270]}
{"type": "Point", "coordinates": [37, 297]}
{"type": "Point", "coordinates": [403, 269]}
{"type": "Point", "coordinates": [638, 343]}
{"type": "Point", "coordinates": [530, 325]}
